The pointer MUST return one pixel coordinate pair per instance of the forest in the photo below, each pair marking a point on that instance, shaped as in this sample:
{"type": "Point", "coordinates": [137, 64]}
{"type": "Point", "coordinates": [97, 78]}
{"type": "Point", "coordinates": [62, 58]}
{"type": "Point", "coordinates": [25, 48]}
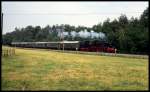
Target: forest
{"type": "Point", "coordinates": [127, 35]}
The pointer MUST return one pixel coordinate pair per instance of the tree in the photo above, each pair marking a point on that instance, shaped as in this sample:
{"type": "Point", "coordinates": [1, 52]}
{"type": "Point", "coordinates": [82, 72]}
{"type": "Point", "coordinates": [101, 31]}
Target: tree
{"type": "Point", "coordinates": [123, 20]}
{"type": "Point", "coordinates": [144, 18]}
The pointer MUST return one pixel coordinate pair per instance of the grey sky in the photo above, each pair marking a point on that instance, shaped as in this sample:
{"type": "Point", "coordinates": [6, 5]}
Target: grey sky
{"type": "Point", "coordinates": [22, 14]}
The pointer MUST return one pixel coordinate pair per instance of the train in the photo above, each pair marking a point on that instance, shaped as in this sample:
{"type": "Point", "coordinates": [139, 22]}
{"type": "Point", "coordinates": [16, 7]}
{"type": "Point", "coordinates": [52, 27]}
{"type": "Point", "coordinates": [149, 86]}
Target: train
{"type": "Point", "coordinates": [89, 46]}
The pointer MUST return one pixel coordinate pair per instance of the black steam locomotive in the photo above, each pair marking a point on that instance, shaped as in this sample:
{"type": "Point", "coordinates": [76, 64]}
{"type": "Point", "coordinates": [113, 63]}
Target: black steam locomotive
{"type": "Point", "coordinates": [92, 46]}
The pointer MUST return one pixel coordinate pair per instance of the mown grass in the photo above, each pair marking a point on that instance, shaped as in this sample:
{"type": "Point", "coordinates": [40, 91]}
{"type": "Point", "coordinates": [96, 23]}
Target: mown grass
{"type": "Point", "coordinates": [49, 70]}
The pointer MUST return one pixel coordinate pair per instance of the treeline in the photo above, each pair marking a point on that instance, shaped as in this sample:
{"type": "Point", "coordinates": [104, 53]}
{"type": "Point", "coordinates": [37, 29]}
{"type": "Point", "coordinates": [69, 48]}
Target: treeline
{"type": "Point", "coordinates": [48, 33]}
{"type": "Point", "coordinates": [127, 35]}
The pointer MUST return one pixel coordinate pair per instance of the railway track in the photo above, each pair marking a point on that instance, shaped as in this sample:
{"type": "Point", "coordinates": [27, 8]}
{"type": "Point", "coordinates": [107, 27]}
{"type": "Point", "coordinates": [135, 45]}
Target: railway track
{"type": "Point", "coordinates": [106, 54]}
{"type": "Point", "coordinates": [94, 53]}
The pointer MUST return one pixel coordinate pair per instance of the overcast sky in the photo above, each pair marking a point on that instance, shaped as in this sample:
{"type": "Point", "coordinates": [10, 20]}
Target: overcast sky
{"type": "Point", "coordinates": [22, 14]}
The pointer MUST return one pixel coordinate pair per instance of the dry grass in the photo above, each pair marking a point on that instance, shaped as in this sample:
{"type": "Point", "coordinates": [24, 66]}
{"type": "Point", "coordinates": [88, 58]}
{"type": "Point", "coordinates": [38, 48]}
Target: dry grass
{"type": "Point", "coordinates": [49, 70]}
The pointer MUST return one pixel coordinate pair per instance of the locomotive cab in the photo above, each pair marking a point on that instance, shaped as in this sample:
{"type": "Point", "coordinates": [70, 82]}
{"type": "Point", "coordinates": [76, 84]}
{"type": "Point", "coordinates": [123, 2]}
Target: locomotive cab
{"type": "Point", "coordinates": [111, 49]}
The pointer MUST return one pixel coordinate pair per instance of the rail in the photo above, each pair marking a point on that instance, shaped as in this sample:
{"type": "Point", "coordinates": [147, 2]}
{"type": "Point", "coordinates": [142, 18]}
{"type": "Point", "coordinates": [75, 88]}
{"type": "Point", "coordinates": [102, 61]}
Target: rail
{"type": "Point", "coordinates": [105, 54]}
{"type": "Point", "coordinates": [95, 53]}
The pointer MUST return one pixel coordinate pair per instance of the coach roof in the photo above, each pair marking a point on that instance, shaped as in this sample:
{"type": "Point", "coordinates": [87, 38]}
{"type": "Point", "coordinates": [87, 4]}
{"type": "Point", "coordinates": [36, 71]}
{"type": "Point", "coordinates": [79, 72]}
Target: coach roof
{"type": "Point", "coordinates": [44, 42]}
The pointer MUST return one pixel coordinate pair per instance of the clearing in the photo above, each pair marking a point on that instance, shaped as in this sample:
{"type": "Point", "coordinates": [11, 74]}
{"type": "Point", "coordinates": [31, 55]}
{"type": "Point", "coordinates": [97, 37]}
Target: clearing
{"type": "Point", "coordinates": [34, 69]}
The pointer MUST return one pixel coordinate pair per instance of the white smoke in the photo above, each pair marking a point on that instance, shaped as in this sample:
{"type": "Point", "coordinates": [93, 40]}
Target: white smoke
{"type": "Point", "coordinates": [73, 33]}
{"type": "Point", "coordinates": [84, 34]}
{"type": "Point", "coordinates": [65, 33]}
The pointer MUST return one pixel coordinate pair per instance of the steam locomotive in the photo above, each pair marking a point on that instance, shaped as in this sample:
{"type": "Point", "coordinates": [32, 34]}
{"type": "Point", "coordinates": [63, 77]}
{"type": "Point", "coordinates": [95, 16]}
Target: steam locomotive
{"type": "Point", "coordinates": [91, 46]}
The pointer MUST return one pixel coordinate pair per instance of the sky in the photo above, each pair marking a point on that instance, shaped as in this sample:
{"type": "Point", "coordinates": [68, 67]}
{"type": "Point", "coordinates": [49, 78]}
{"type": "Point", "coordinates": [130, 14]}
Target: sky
{"type": "Point", "coordinates": [22, 14]}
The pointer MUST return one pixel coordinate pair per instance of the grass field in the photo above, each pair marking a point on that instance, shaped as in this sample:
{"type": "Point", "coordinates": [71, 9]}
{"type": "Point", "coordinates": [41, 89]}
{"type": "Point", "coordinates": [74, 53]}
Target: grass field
{"type": "Point", "coordinates": [50, 70]}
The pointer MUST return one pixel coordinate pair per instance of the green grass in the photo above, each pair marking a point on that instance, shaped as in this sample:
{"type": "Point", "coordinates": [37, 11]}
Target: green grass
{"type": "Point", "coordinates": [50, 70]}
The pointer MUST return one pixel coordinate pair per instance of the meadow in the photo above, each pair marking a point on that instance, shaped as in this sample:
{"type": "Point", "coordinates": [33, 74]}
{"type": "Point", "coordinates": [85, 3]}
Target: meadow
{"type": "Point", "coordinates": [34, 69]}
